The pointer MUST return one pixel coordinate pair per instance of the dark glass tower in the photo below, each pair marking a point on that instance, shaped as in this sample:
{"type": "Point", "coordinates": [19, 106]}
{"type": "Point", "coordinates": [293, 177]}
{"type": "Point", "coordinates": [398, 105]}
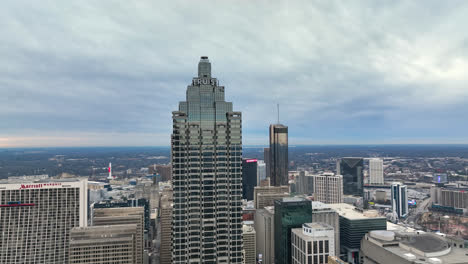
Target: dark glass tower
{"type": "Point", "coordinates": [353, 177]}
{"type": "Point", "coordinates": [249, 178]}
{"type": "Point", "coordinates": [289, 213]}
{"type": "Point", "coordinates": [207, 159]}
{"type": "Point", "coordinates": [278, 155]}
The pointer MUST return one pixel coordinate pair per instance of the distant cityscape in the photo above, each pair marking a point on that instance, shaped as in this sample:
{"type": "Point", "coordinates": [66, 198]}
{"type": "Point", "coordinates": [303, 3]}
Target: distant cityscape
{"type": "Point", "coordinates": [210, 199]}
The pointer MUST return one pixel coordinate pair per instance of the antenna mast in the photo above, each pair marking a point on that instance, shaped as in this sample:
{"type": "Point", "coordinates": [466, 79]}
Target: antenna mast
{"type": "Point", "coordinates": [277, 108]}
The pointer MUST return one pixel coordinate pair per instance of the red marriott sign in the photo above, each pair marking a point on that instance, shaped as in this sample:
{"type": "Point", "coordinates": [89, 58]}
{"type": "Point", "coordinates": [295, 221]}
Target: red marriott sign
{"type": "Point", "coordinates": [39, 185]}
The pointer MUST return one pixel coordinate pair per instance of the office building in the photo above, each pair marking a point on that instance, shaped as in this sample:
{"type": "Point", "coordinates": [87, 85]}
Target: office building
{"type": "Point", "coordinates": [289, 213]}
{"type": "Point", "coordinates": [376, 171]}
{"type": "Point", "coordinates": [104, 244]}
{"type": "Point", "coordinates": [440, 178]}
{"type": "Point", "coordinates": [387, 247]}
{"type": "Point", "coordinates": [207, 174]}
{"type": "Point", "coordinates": [322, 213]}
{"type": "Point", "coordinates": [142, 202]}
{"type": "Point", "coordinates": [261, 172]}
{"type": "Point", "coordinates": [450, 197]}
{"type": "Point", "coordinates": [266, 195]}
{"type": "Point", "coordinates": [279, 161]}
{"type": "Point", "coordinates": [249, 178]}
{"type": "Point", "coordinates": [312, 244]}
{"type": "Point", "coordinates": [249, 238]}
{"type": "Point", "coordinates": [36, 219]}
{"type": "Point", "coordinates": [264, 228]}
{"type": "Point", "coordinates": [380, 196]}
{"type": "Point", "coordinates": [328, 188]}
{"type": "Point", "coordinates": [353, 178]}
{"type": "Point", "coordinates": [165, 211]}
{"type": "Point", "coordinates": [305, 183]}
{"type": "Point", "coordinates": [123, 216]}
{"type": "Point", "coordinates": [266, 157]}
{"type": "Point", "coordinates": [399, 194]}
{"type": "Point", "coordinates": [354, 224]}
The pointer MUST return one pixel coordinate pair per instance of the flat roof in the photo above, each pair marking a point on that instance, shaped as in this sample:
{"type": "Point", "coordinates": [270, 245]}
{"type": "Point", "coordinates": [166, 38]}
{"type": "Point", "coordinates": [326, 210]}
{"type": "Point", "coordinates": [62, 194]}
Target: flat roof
{"type": "Point", "coordinates": [350, 212]}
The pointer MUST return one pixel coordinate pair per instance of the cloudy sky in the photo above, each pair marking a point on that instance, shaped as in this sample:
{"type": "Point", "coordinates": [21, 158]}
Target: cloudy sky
{"type": "Point", "coordinates": [109, 73]}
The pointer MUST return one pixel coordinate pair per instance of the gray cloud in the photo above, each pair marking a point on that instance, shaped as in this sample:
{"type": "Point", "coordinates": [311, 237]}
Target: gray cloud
{"type": "Point", "coordinates": [344, 72]}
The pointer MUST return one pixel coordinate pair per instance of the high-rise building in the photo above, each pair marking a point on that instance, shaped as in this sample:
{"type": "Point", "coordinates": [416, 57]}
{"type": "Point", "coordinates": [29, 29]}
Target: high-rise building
{"type": "Point", "coordinates": [328, 188]}
{"type": "Point", "coordinates": [289, 213]}
{"type": "Point", "coordinates": [207, 174]}
{"type": "Point", "coordinates": [165, 171]}
{"type": "Point", "coordinates": [123, 216]}
{"type": "Point", "coordinates": [36, 219]}
{"type": "Point", "coordinates": [322, 213]}
{"type": "Point", "coordinates": [399, 194]}
{"type": "Point", "coordinates": [387, 247]}
{"type": "Point", "coordinates": [248, 238]}
{"type": "Point", "coordinates": [264, 228]}
{"type": "Point", "coordinates": [305, 183]}
{"type": "Point", "coordinates": [249, 178]}
{"type": "Point", "coordinates": [266, 157]}
{"type": "Point", "coordinates": [261, 172]}
{"type": "Point", "coordinates": [165, 211]}
{"type": "Point", "coordinates": [312, 244]}
{"type": "Point", "coordinates": [354, 224]}
{"type": "Point", "coordinates": [104, 244]}
{"type": "Point", "coordinates": [450, 197]}
{"type": "Point", "coordinates": [266, 195]}
{"type": "Point", "coordinates": [376, 171]}
{"type": "Point", "coordinates": [279, 161]}
{"type": "Point", "coordinates": [353, 178]}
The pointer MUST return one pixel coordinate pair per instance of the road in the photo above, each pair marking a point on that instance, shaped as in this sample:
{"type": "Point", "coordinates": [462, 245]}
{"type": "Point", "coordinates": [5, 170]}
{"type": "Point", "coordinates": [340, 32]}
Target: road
{"type": "Point", "coordinates": [420, 208]}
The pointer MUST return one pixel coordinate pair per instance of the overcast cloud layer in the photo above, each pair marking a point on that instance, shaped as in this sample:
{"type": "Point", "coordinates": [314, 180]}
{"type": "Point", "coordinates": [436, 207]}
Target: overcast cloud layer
{"type": "Point", "coordinates": [109, 73]}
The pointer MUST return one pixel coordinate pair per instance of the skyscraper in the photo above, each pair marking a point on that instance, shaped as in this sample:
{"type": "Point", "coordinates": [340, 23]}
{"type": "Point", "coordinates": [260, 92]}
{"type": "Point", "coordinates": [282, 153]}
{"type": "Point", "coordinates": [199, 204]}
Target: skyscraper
{"type": "Point", "coordinates": [206, 171]}
{"type": "Point", "coordinates": [249, 178]}
{"type": "Point", "coordinates": [261, 171]}
{"type": "Point", "coordinates": [399, 199]}
{"type": "Point", "coordinates": [376, 171]}
{"type": "Point", "coordinates": [249, 238]}
{"type": "Point", "coordinates": [289, 213]}
{"type": "Point", "coordinates": [328, 188]}
{"type": "Point", "coordinates": [36, 219]}
{"type": "Point", "coordinates": [104, 244]}
{"type": "Point", "coordinates": [353, 178]}
{"type": "Point", "coordinates": [266, 157]}
{"type": "Point", "coordinates": [278, 155]}
{"type": "Point", "coordinates": [165, 213]}
{"type": "Point", "coordinates": [123, 216]}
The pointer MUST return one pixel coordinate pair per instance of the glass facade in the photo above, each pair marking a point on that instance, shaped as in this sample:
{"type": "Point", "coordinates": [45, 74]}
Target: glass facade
{"type": "Point", "coordinates": [289, 213]}
{"type": "Point", "coordinates": [353, 178]}
{"type": "Point", "coordinates": [249, 178]}
{"type": "Point", "coordinates": [207, 175]}
{"type": "Point", "coordinates": [278, 155]}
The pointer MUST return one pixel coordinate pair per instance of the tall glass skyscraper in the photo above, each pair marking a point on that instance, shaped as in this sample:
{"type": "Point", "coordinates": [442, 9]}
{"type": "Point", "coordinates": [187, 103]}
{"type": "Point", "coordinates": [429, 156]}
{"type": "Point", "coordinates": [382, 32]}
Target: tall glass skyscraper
{"type": "Point", "coordinates": [278, 155]}
{"type": "Point", "coordinates": [207, 175]}
{"type": "Point", "coordinates": [353, 177]}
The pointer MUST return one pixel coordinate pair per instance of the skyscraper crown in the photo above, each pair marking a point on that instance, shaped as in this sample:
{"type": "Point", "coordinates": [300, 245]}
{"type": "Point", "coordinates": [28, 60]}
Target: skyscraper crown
{"type": "Point", "coordinates": [204, 68]}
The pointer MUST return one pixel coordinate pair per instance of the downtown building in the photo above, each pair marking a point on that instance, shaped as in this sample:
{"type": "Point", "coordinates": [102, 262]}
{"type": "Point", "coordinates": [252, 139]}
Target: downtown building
{"type": "Point", "coordinates": [36, 219]}
{"type": "Point", "coordinates": [312, 244]}
{"type": "Point", "coordinates": [278, 155]}
{"type": "Point", "coordinates": [328, 188]}
{"type": "Point", "coordinates": [206, 155]}
{"type": "Point", "coordinates": [353, 175]}
{"type": "Point", "coordinates": [376, 171]}
{"type": "Point", "coordinates": [104, 244]}
{"type": "Point", "coordinates": [399, 194]}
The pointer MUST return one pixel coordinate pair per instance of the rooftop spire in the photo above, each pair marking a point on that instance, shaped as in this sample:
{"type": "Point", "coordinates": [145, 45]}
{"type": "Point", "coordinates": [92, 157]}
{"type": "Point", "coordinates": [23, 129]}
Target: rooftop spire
{"type": "Point", "coordinates": [204, 67]}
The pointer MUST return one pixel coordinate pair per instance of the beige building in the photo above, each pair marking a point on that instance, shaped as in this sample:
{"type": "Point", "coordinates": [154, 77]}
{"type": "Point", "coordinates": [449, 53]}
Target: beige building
{"type": "Point", "coordinates": [123, 215]}
{"type": "Point", "coordinates": [249, 248]}
{"type": "Point", "coordinates": [328, 188]}
{"type": "Point", "coordinates": [264, 229]}
{"type": "Point", "coordinates": [265, 196]}
{"type": "Point", "coordinates": [166, 225]}
{"type": "Point", "coordinates": [104, 244]}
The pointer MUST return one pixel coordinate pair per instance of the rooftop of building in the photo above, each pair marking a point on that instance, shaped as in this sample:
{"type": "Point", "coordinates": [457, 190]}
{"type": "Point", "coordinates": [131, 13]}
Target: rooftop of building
{"type": "Point", "coordinates": [318, 206]}
{"type": "Point", "coordinates": [313, 230]}
{"type": "Point", "coordinates": [419, 247]}
{"type": "Point", "coordinates": [248, 229]}
{"type": "Point", "coordinates": [46, 180]}
{"type": "Point", "coordinates": [353, 213]}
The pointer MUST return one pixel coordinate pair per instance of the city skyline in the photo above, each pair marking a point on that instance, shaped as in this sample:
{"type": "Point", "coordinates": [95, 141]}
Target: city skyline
{"type": "Point", "coordinates": [108, 75]}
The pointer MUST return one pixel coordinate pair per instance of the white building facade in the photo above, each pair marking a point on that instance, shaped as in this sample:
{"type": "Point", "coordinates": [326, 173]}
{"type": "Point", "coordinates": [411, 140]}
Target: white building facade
{"type": "Point", "coordinates": [36, 219]}
{"type": "Point", "coordinates": [312, 244]}
{"type": "Point", "coordinates": [328, 188]}
{"type": "Point", "coordinates": [376, 171]}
